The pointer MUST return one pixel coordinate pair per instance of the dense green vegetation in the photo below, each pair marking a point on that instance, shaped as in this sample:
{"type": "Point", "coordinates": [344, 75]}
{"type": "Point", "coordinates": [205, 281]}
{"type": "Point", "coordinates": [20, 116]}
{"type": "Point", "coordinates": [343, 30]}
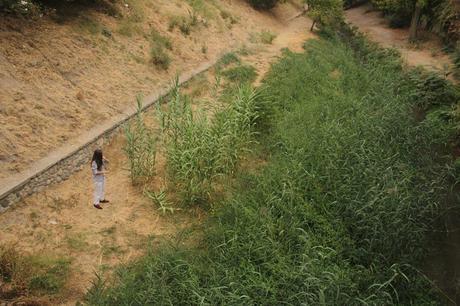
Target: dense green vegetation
{"type": "Point", "coordinates": [338, 215]}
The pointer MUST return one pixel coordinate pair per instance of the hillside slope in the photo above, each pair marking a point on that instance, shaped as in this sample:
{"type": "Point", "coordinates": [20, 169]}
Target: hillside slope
{"type": "Point", "coordinates": [59, 79]}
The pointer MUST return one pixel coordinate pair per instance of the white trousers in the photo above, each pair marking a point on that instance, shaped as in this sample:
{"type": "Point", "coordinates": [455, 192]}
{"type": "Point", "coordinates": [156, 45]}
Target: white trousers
{"type": "Point", "coordinates": [98, 192]}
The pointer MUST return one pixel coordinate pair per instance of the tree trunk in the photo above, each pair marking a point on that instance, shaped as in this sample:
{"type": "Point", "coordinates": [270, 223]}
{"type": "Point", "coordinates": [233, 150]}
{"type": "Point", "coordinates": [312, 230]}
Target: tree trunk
{"type": "Point", "coordinates": [415, 21]}
{"type": "Point", "coordinates": [313, 26]}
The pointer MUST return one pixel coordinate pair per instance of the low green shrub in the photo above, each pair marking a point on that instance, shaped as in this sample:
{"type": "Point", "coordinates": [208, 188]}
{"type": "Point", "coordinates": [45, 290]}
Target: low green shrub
{"type": "Point", "coordinates": [240, 74]}
{"type": "Point", "coordinates": [264, 37]}
{"type": "Point", "coordinates": [159, 57]}
{"type": "Point", "coordinates": [431, 90]}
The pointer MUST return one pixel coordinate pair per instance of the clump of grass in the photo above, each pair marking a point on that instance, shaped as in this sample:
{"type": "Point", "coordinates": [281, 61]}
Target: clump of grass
{"type": "Point", "coordinates": [264, 37]}
{"type": "Point", "coordinates": [431, 90]}
{"type": "Point", "coordinates": [131, 24]}
{"type": "Point", "coordinates": [25, 275]}
{"type": "Point", "coordinates": [136, 12]}
{"type": "Point", "coordinates": [204, 49]}
{"type": "Point", "coordinates": [159, 57]}
{"type": "Point", "coordinates": [140, 148]}
{"type": "Point", "coordinates": [184, 23]}
{"type": "Point", "coordinates": [158, 45]}
{"type": "Point", "coordinates": [161, 40]}
{"type": "Point", "coordinates": [227, 59]}
{"type": "Point", "coordinates": [240, 74]}
{"type": "Point", "coordinates": [226, 15]}
{"type": "Point", "coordinates": [202, 8]}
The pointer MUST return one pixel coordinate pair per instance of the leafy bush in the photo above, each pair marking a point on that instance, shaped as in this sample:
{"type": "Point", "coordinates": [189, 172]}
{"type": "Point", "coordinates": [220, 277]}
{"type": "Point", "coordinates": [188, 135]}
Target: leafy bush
{"type": "Point", "coordinates": [263, 4]}
{"type": "Point", "coordinates": [325, 13]}
{"type": "Point", "coordinates": [430, 89]}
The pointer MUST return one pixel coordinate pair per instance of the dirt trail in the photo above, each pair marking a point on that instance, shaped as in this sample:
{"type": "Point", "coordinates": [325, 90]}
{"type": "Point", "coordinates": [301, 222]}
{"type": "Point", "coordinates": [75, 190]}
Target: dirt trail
{"type": "Point", "coordinates": [62, 221]}
{"type": "Point", "coordinates": [427, 54]}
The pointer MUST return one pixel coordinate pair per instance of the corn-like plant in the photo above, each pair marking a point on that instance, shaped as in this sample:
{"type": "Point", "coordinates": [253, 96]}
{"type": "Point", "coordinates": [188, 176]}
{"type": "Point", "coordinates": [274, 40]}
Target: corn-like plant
{"type": "Point", "coordinates": [140, 148]}
{"type": "Point", "coordinates": [160, 199]}
{"type": "Point", "coordinates": [201, 148]}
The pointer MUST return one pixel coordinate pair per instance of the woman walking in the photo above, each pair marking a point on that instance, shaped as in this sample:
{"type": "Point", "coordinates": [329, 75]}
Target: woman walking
{"type": "Point", "coordinates": [98, 169]}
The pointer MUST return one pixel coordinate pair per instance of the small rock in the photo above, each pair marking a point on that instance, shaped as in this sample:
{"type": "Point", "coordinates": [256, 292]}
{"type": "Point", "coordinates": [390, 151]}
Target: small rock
{"type": "Point", "coordinates": [106, 32]}
{"type": "Point", "coordinates": [80, 96]}
{"type": "Point", "coordinates": [53, 222]}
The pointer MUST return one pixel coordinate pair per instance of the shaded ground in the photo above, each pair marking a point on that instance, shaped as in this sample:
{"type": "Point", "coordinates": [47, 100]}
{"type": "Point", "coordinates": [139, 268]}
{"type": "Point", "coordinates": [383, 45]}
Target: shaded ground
{"type": "Point", "coordinates": [62, 221]}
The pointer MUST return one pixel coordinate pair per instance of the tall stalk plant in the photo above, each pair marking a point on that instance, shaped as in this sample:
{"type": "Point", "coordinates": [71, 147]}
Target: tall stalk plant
{"type": "Point", "coordinates": [140, 148]}
{"type": "Point", "coordinates": [201, 148]}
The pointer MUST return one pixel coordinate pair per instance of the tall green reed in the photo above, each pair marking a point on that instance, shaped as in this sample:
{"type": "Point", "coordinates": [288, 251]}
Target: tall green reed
{"type": "Point", "coordinates": [201, 147]}
{"type": "Point", "coordinates": [140, 148]}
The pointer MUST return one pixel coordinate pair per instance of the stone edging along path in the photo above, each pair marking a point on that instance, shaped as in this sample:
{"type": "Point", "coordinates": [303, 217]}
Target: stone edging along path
{"type": "Point", "coordinates": [62, 163]}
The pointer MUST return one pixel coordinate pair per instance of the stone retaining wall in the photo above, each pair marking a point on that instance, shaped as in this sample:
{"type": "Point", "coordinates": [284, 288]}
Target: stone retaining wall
{"type": "Point", "coordinates": [62, 166]}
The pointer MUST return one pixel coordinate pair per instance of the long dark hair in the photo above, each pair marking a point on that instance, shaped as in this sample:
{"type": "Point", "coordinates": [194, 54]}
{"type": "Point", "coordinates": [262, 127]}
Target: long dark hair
{"type": "Point", "coordinates": [97, 157]}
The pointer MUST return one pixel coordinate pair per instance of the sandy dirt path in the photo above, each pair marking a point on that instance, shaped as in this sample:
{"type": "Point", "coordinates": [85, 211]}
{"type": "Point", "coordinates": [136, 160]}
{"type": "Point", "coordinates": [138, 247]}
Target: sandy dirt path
{"type": "Point", "coordinates": [61, 220]}
{"type": "Point", "coordinates": [427, 54]}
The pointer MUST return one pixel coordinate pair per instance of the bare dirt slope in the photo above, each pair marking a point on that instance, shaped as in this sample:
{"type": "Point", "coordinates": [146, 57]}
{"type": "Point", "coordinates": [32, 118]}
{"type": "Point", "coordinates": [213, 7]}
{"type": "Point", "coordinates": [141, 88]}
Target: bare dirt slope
{"type": "Point", "coordinates": [428, 53]}
{"type": "Point", "coordinates": [61, 220]}
{"type": "Point", "coordinates": [58, 79]}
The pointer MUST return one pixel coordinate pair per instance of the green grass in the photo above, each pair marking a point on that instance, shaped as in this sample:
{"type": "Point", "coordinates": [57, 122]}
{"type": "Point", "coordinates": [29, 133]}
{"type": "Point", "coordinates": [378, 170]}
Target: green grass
{"type": "Point", "coordinates": [184, 23]}
{"type": "Point", "coordinates": [161, 40]}
{"type": "Point", "coordinates": [264, 37]}
{"type": "Point", "coordinates": [25, 275]}
{"type": "Point", "coordinates": [340, 213]}
{"type": "Point", "coordinates": [240, 74]}
{"type": "Point", "coordinates": [227, 59]}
